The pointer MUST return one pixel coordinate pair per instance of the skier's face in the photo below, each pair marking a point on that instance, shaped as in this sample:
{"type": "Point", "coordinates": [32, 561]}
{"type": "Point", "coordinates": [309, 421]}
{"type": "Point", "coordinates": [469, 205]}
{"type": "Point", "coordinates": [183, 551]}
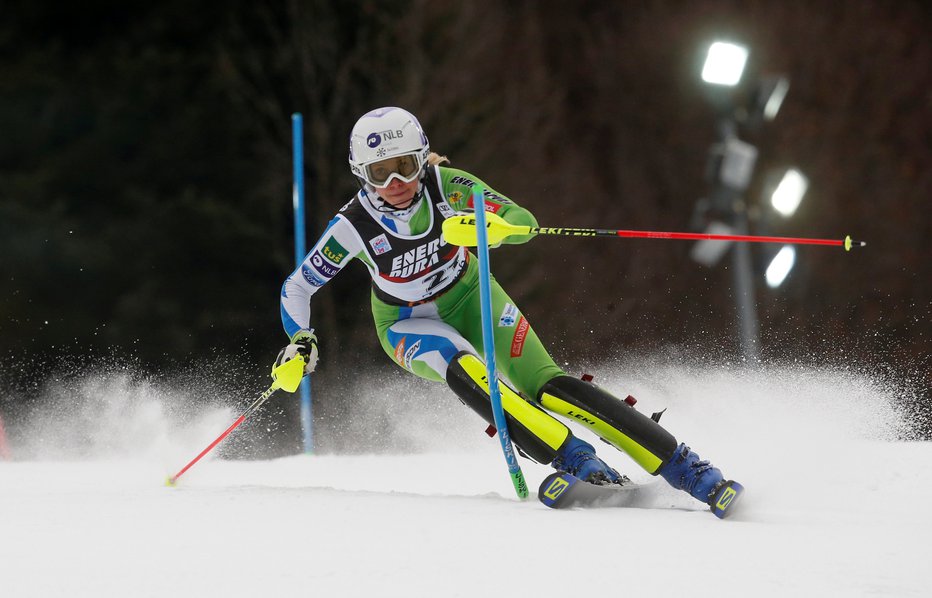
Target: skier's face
{"type": "Point", "coordinates": [398, 194]}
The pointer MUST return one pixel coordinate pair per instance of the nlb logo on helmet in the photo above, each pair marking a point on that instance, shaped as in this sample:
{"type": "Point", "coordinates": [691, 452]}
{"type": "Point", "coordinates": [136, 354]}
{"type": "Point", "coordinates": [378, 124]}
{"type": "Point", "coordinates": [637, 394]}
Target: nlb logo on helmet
{"type": "Point", "coordinates": [375, 139]}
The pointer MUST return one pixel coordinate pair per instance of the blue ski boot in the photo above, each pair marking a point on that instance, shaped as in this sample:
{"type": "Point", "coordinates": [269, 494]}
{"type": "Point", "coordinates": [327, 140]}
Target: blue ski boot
{"type": "Point", "coordinates": [685, 471]}
{"type": "Point", "coordinates": [577, 457]}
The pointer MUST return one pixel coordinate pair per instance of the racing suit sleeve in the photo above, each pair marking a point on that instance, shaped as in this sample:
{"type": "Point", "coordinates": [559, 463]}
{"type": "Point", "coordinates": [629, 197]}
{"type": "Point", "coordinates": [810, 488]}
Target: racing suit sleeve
{"type": "Point", "coordinates": [457, 188]}
{"type": "Point", "coordinates": [335, 248]}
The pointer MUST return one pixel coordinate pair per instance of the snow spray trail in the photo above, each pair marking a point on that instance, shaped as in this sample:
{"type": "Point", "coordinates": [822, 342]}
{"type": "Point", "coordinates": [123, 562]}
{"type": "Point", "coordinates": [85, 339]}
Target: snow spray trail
{"type": "Point", "coordinates": [733, 414]}
{"type": "Point", "coordinates": [103, 415]}
{"type": "Point", "coordinates": [386, 410]}
{"type": "Point", "coordinates": [816, 407]}
{"type": "Point", "coordinates": [116, 417]}
{"type": "Point", "coordinates": [98, 413]}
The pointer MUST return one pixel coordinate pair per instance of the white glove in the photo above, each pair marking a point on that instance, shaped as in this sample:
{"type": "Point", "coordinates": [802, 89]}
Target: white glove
{"type": "Point", "coordinates": [304, 343]}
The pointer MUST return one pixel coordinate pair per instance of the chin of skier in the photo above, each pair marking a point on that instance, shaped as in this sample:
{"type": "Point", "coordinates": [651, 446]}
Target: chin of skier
{"type": "Point", "coordinates": [425, 303]}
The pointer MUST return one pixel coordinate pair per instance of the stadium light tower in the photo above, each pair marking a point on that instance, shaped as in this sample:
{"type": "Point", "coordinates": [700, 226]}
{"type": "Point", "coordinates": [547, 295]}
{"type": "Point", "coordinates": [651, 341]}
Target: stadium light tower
{"type": "Point", "coordinates": [743, 105]}
{"type": "Point", "coordinates": [731, 169]}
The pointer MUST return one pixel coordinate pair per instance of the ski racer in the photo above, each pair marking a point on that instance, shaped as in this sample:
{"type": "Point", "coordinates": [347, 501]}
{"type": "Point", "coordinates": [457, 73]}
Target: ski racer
{"type": "Point", "coordinates": [426, 308]}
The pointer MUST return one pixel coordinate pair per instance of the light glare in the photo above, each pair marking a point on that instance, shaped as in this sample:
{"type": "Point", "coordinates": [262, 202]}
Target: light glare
{"type": "Point", "coordinates": [724, 64]}
{"type": "Point", "coordinates": [772, 107]}
{"type": "Point", "coordinates": [789, 192]}
{"type": "Point", "coordinates": [780, 266]}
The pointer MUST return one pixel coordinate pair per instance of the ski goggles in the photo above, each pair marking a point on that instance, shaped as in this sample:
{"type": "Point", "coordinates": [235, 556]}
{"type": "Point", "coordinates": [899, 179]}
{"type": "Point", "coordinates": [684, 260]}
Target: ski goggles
{"type": "Point", "coordinates": [405, 168]}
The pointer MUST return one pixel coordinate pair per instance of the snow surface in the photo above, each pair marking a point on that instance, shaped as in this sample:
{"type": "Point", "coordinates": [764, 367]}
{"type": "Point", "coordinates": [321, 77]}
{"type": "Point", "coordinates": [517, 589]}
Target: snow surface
{"type": "Point", "coordinates": [835, 505]}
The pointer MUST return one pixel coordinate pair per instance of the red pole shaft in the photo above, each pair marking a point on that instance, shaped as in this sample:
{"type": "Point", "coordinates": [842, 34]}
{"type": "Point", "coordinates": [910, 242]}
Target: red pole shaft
{"type": "Point", "coordinates": [643, 234]}
{"type": "Point", "coordinates": [219, 439]}
{"type": "Point", "coordinates": [256, 404]}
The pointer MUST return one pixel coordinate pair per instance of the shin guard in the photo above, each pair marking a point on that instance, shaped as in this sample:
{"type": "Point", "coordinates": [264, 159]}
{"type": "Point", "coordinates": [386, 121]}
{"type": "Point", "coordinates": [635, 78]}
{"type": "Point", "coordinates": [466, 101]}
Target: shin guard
{"type": "Point", "coordinates": [537, 433]}
{"type": "Point", "coordinates": [615, 421]}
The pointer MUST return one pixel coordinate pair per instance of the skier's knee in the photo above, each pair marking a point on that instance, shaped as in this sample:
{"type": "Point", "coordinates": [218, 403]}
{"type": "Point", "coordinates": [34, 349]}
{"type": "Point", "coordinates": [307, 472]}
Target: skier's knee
{"type": "Point", "coordinates": [537, 434]}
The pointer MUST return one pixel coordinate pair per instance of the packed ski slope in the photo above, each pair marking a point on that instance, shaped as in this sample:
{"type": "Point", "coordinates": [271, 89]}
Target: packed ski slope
{"type": "Point", "coordinates": [835, 506]}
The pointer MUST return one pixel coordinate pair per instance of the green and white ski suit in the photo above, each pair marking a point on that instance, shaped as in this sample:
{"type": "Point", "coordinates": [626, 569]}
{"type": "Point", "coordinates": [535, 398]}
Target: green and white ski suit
{"type": "Point", "coordinates": [425, 292]}
{"type": "Point", "coordinates": [426, 307]}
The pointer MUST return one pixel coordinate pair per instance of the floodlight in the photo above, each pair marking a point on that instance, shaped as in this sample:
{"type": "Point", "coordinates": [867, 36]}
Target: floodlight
{"type": "Point", "coordinates": [724, 64]}
{"type": "Point", "coordinates": [789, 192]}
{"type": "Point", "coordinates": [780, 266]}
{"type": "Point", "coordinates": [772, 93]}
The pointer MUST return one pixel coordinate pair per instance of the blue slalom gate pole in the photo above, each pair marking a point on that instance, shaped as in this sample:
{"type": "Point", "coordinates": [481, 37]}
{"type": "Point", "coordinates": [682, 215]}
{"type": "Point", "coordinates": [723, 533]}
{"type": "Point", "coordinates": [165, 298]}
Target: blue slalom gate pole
{"type": "Point", "coordinates": [300, 249]}
{"type": "Point", "coordinates": [488, 342]}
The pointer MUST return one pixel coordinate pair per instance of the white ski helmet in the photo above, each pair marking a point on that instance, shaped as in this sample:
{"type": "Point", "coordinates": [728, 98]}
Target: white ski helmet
{"type": "Point", "coordinates": [388, 143]}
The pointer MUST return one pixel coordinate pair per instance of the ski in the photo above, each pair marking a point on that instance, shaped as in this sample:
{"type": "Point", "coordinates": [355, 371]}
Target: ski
{"type": "Point", "coordinates": [561, 490]}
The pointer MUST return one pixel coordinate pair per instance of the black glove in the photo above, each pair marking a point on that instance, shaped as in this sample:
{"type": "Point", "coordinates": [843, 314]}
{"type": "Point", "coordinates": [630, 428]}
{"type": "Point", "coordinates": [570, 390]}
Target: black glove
{"type": "Point", "coordinates": [305, 343]}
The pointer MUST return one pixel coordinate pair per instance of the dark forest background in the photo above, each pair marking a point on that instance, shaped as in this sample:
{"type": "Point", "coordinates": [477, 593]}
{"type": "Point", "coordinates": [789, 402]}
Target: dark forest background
{"type": "Point", "coordinates": [146, 182]}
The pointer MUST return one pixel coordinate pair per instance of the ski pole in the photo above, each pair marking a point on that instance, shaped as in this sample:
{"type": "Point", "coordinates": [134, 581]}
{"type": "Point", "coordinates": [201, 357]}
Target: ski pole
{"type": "Point", "coordinates": [287, 376]}
{"type": "Point", "coordinates": [488, 342]}
{"type": "Point", "coordinates": [461, 230]}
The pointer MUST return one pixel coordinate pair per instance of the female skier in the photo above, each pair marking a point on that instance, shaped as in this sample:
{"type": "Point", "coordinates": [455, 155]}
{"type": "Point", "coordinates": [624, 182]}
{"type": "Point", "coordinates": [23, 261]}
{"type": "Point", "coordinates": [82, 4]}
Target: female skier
{"type": "Point", "coordinates": [425, 303]}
